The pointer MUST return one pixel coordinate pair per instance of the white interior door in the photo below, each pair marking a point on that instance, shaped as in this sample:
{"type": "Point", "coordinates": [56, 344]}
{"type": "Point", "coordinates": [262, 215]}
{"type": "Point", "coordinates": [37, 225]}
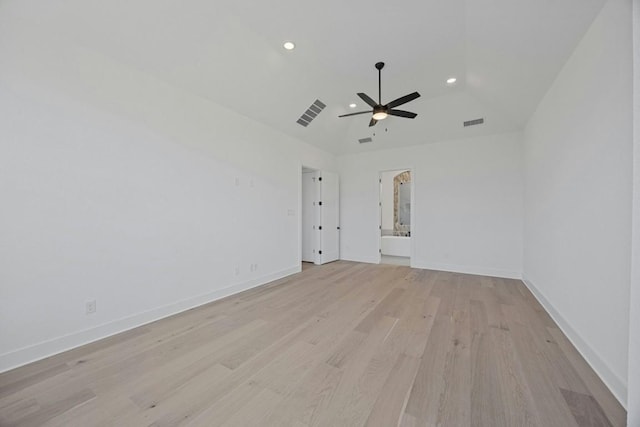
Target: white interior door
{"type": "Point", "coordinates": [309, 198]}
{"type": "Point", "coordinates": [329, 217]}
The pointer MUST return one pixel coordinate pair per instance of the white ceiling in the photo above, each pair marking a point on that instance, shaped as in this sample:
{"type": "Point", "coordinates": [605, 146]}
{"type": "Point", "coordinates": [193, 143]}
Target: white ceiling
{"type": "Point", "coordinates": [505, 54]}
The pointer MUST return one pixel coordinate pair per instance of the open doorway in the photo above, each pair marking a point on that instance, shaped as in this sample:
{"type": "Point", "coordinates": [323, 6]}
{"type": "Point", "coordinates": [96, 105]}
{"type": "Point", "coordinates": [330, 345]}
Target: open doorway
{"type": "Point", "coordinates": [395, 216]}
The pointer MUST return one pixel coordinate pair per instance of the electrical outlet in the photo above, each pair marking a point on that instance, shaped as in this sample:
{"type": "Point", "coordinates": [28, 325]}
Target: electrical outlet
{"type": "Point", "coordinates": [90, 307]}
{"type": "Point", "coordinates": [237, 271]}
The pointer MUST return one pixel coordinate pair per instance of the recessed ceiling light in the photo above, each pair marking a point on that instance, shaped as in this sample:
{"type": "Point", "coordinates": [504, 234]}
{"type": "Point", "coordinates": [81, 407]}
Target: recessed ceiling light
{"type": "Point", "coordinates": [352, 105]}
{"type": "Point", "coordinates": [289, 45]}
{"type": "Point", "coordinates": [451, 80]}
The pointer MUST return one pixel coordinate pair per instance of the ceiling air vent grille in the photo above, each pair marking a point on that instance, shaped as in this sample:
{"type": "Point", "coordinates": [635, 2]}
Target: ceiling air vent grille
{"type": "Point", "coordinates": [311, 113]}
{"type": "Point", "coordinates": [365, 140]}
{"type": "Point", "coordinates": [473, 122]}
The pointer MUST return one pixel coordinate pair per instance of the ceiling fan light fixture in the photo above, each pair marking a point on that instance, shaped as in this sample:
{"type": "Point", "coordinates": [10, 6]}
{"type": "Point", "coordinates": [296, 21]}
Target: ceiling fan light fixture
{"type": "Point", "coordinates": [289, 45]}
{"type": "Point", "coordinates": [352, 105]}
{"type": "Point", "coordinates": [451, 81]}
{"type": "Point", "coordinates": [380, 115]}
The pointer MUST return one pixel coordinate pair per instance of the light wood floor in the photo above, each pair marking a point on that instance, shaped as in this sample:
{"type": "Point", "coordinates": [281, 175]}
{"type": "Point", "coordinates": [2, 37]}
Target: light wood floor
{"type": "Point", "coordinates": [344, 344]}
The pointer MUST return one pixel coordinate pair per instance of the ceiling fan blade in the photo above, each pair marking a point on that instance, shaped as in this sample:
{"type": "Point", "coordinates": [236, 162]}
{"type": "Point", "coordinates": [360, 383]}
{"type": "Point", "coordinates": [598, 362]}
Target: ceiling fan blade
{"type": "Point", "coordinates": [403, 100]}
{"type": "Point", "coordinates": [355, 114]}
{"type": "Point", "coordinates": [368, 100]}
{"type": "Point", "coordinates": [402, 113]}
{"type": "Point", "coordinates": [373, 122]}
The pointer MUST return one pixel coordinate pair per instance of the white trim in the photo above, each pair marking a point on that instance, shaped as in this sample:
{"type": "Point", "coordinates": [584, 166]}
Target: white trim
{"type": "Point", "coordinates": [379, 211]}
{"type": "Point", "coordinates": [317, 173]}
{"type": "Point", "coordinates": [57, 345]}
{"type": "Point", "coordinates": [615, 384]}
{"type": "Point", "coordinates": [633, 381]}
{"type": "Point", "coordinates": [358, 259]}
{"type": "Point", "coordinates": [412, 262]}
{"type": "Point", "coordinates": [413, 215]}
{"type": "Point", "coordinates": [299, 213]}
{"type": "Point", "coordinates": [452, 268]}
{"type": "Point", "coordinates": [468, 269]}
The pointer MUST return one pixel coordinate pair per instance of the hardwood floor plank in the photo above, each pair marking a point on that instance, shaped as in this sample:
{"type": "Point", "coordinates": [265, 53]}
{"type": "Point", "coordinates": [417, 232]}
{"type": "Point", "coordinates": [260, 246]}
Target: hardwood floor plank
{"type": "Point", "coordinates": [614, 411]}
{"type": "Point", "coordinates": [419, 326]}
{"type": "Point", "coordinates": [349, 391]}
{"type": "Point", "coordinates": [57, 406]}
{"type": "Point", "coordinates": [11, 386]}
{"type": "Point", "coordinates": [550, 406]}
{"type": "Point", "coordinates": [486, 404]}
{"type": "Point", "coordinates": [429, 384]}
{"type": "Point", "coordinates": [312, 396]}
{"type": "Point", "coordinates": [253, 413]}
{"type": "Point", "coordinates": [99, 412]}
{"type": "Point", "coordinates": [585, 409]}
{"type": "Point", "coordinates": [455, 403]}
{"type": "Point", "coordinates": [18, 410]}
{"type": "Point", "coordinates": [514, 395]}
{"type": "Point", "coordinates": [389, 407]}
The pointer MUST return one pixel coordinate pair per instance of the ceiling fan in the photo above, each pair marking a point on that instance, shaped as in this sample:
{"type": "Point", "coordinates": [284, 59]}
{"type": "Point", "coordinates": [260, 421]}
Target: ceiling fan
{"type": "Point", "coordinates": [380, 111]}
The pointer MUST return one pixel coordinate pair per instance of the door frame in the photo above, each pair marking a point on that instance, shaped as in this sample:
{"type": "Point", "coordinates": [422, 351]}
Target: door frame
{"type": "Point", "coordinates": [633, 377]}
{"type": "Point", "coordinates": [378, 230]}
{"type": "Point", "coordinates": [309, 239]}
{"type": "Point", "coordinates": [301, 167]}
{"type": "Point", "coordinates": [326, 191]}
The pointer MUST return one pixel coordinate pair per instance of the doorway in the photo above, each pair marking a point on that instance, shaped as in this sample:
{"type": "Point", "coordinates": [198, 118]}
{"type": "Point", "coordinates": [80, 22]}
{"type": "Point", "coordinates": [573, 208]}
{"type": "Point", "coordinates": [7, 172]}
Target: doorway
{"type": "Point", "coordinates": [319, 212]}
{"type": "Point", "coordinates": [395, 203]}
{"type": "Point", "coordinates": [309, 214]}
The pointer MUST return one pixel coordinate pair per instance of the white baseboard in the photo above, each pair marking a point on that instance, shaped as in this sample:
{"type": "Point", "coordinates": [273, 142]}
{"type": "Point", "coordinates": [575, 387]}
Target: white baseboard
{"type": "Point", "coordinates": [453, 268]}
{"type": "Point", "coordinates": [479, 271]}
{"type": "Point", "coordinates": [25, 355]}
{"type": "Point", "coordinates": [359, 259]}
{"type": "Point", "coordinates": [617, 386]}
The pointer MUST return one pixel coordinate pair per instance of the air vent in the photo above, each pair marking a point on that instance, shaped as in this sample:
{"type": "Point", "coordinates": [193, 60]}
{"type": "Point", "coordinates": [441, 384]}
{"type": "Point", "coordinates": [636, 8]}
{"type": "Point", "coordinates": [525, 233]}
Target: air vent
{"type": "Point", "coordinates": [311, 113]}
{"type": "Point", "coordinates": [473, 122]}
{"type": "Point", "coordinates": [365, 140]}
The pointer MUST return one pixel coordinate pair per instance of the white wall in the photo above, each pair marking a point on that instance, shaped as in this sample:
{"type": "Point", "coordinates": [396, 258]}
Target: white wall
{"type": "Point", "coordinates": [120, 188]}
{"type": "Point", "coordinates": [467, 211]}
{"type": "Point", "coordinates": [633, 406]}
{"type": "Point", "coordinates": [578, 150]}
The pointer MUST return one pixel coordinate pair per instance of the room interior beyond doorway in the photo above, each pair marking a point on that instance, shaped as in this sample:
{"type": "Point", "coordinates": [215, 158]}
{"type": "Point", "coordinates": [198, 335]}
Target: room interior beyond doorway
{"type": "Point", "coordinates": [395, 217]}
